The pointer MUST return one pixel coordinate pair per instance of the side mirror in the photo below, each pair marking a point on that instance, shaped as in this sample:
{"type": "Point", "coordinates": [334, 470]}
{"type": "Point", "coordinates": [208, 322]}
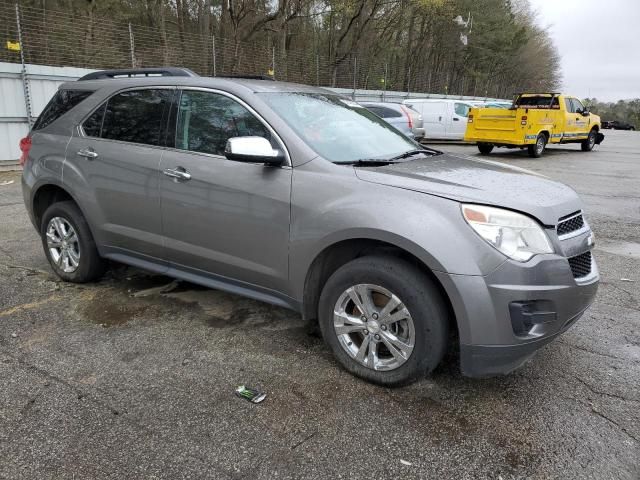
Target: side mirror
{"type": "Point", "coordinates": [253, 150]}
{"type": "Point", "coordinates": [585, 112]}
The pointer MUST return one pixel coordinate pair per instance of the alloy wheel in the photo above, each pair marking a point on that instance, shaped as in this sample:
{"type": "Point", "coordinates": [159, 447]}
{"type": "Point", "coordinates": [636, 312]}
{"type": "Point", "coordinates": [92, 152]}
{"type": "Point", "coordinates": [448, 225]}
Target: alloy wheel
{"type": "Point", "coordinates": [374, 327]}
{"type": "Point", "coordinates": [63, 244]}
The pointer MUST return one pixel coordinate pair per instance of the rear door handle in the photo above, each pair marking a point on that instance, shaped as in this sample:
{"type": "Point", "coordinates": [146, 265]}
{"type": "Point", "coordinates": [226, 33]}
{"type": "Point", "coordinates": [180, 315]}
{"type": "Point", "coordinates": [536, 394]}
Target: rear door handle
{"type": "Point", "coordinates": [88, 153]}
{"type": "Point", "coordinates": [178, 173]}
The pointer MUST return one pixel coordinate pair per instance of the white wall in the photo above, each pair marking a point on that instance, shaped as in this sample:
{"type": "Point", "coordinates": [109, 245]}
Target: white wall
{"type": "Point", "coordinates": [45, 80]}
{"type": "Point", "coordinates": [43, 83]}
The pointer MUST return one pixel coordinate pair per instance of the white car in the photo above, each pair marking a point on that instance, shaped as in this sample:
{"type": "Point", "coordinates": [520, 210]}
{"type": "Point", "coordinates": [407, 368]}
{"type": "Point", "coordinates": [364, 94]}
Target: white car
{"type": "Point", "coordinates": [443, 119]}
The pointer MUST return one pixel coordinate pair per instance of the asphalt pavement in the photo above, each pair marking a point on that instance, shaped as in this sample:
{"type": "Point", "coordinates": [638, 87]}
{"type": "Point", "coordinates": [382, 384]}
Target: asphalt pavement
{"type": "Point", "coordinates": [134, 376]}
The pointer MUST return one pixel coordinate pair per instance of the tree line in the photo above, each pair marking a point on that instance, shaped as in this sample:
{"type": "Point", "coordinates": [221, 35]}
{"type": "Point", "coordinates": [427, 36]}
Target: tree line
{"type": "Point", "coordinates": [627, 111]}
{"type": "Point", "coordinates": [495, 48]}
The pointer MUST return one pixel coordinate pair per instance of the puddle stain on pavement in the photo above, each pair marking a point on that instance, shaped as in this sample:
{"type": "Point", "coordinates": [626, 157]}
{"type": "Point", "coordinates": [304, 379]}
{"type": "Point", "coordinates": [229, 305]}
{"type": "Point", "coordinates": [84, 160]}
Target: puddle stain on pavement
{"type": "Point", "coordinates": [130, 296]}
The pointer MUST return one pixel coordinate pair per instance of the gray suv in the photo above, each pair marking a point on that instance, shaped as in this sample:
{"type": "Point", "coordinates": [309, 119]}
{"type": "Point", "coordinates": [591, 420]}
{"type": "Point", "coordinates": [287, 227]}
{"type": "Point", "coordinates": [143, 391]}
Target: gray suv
{"type": "Point", "coordinates": [304, 199]}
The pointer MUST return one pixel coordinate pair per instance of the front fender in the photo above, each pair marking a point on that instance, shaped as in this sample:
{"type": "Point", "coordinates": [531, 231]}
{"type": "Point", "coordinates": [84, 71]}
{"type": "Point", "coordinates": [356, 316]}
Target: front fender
{"type": "Point", "coordinates": [428, 227]}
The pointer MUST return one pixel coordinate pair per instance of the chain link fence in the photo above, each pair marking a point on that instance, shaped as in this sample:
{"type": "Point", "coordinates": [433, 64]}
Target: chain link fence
{"type": "Point", "coordinates": [57, 38]}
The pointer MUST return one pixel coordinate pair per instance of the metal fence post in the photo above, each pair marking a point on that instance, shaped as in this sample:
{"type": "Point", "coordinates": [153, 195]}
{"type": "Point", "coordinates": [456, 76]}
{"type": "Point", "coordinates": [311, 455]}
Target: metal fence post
{"type": "Point", "coordinates": [132, 46]}
{"type": "Point", "coordinates": [213, 45]}
{"type": "Point", "coordinates": [23, 72]}
{"type": "Point", "coordinates": [317, 70]}
{"type": "Point", "coordinates": [355, 78]}
{"type": "Point", "coordinates": [273, 61]}
{"type": "Point", "coordinates": [408, 81]}
{"type": "Point", "coordinates": [384, 83]}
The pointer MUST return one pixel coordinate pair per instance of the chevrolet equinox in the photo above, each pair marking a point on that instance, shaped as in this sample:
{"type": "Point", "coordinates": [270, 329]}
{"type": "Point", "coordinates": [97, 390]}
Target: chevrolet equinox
{"type": "Point", "coordinates": [299, 197]}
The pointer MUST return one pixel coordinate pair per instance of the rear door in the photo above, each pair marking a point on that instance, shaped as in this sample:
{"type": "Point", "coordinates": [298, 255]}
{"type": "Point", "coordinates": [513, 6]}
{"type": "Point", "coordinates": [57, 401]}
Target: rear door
{"type": "Point", "coordinates": [113, 159]}
{"type": "Point", "coordinates": [229, 218]}
{"type": "Point", "coordinates": [434, 119]}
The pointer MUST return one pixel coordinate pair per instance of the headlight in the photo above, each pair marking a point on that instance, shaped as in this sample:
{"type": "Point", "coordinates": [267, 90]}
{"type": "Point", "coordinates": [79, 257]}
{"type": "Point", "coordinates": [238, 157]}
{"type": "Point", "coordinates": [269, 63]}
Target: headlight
{"type": "Point", "coordinates": [516, 235]}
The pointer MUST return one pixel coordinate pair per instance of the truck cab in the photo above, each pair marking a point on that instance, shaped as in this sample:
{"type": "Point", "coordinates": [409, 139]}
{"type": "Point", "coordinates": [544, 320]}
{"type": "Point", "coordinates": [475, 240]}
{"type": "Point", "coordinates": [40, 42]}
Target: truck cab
{"type": "Point", "coordinates": [533, 121]}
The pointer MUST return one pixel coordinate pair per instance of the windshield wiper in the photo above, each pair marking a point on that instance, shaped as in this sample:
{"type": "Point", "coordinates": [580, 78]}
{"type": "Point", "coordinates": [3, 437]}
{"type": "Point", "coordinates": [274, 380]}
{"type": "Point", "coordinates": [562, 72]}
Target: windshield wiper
{"type": "Point", "coordinates": [411, 153]}
{"type": "Point", "coordinates": [367, 162]}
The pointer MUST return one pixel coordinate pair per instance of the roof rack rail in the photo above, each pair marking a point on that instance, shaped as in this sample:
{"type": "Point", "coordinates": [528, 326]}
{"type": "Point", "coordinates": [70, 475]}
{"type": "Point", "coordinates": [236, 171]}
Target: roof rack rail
{"type": "Point", "coordinates": [139, 72]}
{"type": "Point", "coordinates": [249, 77]}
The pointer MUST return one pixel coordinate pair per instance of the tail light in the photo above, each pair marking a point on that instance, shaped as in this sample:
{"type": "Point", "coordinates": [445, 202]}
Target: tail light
{"type": "Point", "coordinates": [523, 120]}
{"type": "Point", "coordinates": [408, 114]}
{"type": "Point", "coordinates": [25, 147]}
{"type": "Point", "coordinates": [470, 120]}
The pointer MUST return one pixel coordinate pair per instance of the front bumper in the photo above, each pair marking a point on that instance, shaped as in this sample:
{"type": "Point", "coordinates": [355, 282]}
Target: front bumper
{"type": "Point", "coordinates": [490, 310]}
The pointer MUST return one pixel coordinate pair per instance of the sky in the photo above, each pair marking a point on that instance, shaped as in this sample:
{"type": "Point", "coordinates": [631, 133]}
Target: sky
{"type": "Point", "coordinates": [599, 42]}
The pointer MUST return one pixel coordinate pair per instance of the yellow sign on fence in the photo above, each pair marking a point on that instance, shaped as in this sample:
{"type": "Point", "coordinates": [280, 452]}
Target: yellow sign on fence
{"type": "Point", "coordinates": [13, 46]}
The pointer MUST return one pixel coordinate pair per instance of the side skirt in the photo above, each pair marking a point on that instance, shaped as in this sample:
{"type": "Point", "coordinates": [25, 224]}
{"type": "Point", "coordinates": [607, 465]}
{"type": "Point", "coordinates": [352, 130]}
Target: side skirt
{"type": "Point", "coordinates": [199, 277]}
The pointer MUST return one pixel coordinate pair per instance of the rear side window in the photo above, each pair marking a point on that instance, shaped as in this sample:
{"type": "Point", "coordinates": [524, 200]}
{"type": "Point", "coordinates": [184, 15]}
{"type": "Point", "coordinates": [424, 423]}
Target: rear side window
{"type": "Point", "coordinates": [136, 116]}
{"type": "Point", "coordinates": [207, 120]}
{"type": "Point", "coordinates": [61, 103]}
{"type": "Point", "coordinates": [384, 112]}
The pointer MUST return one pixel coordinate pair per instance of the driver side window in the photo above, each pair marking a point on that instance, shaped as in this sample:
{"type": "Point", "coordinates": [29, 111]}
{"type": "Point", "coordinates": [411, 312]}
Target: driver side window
{"type": "Point", "coordinates": [206, 120]}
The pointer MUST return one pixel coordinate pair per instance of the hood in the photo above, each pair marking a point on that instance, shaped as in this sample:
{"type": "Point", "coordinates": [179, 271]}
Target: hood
{"type": "Point", "coordinates": [479, 181]}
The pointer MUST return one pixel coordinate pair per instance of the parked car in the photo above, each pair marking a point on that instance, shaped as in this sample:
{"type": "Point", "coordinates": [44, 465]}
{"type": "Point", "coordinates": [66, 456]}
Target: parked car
{"type": "Point", "coordinates": [443, 119]}
{"type": "Point", "coordinates": [403, 117]}
{"type": "Point", "coordinates": [299, 197]}
{"type": "Point", "coordinates": [535, 120]}
{"type": "Point", "coordinates": [606, 124]}
{"type": "Point", "coordinates": [503, 105]}
{"type": "Point", "coordinates": [616, 125]}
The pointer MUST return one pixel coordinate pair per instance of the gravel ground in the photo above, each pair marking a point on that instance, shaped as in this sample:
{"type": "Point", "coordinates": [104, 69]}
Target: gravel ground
{"type": "Point", "coordinates": [133, 377]}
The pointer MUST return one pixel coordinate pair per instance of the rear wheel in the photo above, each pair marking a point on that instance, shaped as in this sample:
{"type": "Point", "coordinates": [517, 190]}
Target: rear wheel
{"type": "Point", "coordinates": [588, 144]}
{"type": "Point", "coordinates": [537, 148]}
{"type": "Point", "coordinates": [384, 319]}
{"type": "Point", "coordinates": [69, 245]}
{"type": "Point", "coordinates": [485, 148]}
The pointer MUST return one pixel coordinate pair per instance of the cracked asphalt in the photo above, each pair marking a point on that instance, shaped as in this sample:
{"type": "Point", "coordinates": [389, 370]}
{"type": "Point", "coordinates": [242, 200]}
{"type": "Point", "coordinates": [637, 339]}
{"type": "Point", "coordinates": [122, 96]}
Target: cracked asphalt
{"type": "Point", "coordinates": [133, 377]}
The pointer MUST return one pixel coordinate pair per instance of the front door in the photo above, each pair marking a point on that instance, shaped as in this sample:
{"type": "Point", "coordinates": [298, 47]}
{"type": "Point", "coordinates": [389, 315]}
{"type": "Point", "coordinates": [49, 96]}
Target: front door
{"type": "Point", "coordinates": [223, 217]}
{"type": "Point", "coordinates": [112, 161]}
{"type": "Point", "coordinates": [575, 126]}
{"type": "Point", "coordinates": [457, 121]}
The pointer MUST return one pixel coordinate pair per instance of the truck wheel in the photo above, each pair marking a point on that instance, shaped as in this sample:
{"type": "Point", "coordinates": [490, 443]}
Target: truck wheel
{"type": "Point", "coordinates": [588, 144]}
{"type": "Point", "coordinates": [485, 148]}
{"type": "Point", "coordinates": [384, 319]}
{"type": "Point", "coordinates": [537, 148]}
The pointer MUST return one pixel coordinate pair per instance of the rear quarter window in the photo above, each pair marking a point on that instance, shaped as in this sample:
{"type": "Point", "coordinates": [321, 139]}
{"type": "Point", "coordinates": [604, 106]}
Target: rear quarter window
{"type": "Point", "coordinates": [61, 103]}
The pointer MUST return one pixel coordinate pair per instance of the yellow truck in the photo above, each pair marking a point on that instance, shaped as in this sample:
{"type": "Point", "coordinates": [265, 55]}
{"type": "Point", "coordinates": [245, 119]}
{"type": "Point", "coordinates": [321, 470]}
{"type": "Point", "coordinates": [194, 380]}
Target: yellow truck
{"type": "Point", "coordinates": [533, 121]}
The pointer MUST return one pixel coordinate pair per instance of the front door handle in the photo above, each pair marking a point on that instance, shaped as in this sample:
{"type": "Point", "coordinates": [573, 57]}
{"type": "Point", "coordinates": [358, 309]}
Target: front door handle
{"type": "Point", "coordinates": [456, 119]}
{"type": "Point", "coordinates": [88, 153]}
{"type": "Point", "coordinates": [178, 173]}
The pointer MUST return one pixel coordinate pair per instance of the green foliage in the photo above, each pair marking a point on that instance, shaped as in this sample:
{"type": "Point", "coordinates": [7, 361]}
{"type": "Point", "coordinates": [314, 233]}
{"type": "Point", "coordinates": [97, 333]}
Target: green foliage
{"type": "Point", "coordinates": [627, 111]}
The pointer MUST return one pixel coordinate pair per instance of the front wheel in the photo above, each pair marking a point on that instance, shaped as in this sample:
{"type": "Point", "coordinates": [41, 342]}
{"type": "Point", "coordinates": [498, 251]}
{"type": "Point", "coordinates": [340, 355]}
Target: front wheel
{"type": "Point", "coordinates": [588, 144]}
{"type": "Point", "coordinates": [384, 319]}
{"type": "Point", "coordinates": [485, 148]}
{"type": "Point", "coordinates": [537, 148]}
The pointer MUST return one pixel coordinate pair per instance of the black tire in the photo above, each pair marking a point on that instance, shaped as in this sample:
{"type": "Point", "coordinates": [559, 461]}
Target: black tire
{"type": "Point", "coordinates": [588, 144]}
{"type": "Point", "coordinates": [536, 150]}
{"type": "Point", "coordinates": [632, 128]}
{"type": "Point", "coordinates": [90, 265]}
{"type": "Point", "coordinates": [418, 293]}
{"type": "Point", "coordinates": [485, 148]}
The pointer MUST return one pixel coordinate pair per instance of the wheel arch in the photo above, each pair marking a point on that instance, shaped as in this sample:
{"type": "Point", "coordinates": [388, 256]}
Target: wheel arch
{"type": "Point", "coordinates": [340, 252]}
{"type": "Point", "coordinates": [47, 194]}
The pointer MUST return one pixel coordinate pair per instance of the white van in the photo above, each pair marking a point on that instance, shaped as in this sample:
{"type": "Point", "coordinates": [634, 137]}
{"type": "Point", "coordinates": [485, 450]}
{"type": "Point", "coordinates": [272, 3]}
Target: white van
{"type": "Point", "coordinates": [442, 118]}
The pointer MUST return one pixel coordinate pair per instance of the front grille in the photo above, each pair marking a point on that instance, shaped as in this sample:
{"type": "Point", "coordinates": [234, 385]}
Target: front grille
{"type": "Point", "coordinates": [580, 265]}
{"type": "Point", "coordinates": [570, 225]}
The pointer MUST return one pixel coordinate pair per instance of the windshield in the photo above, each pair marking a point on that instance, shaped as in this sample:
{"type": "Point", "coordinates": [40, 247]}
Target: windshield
{"type": "Point", "coordinates": [338, 129]}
